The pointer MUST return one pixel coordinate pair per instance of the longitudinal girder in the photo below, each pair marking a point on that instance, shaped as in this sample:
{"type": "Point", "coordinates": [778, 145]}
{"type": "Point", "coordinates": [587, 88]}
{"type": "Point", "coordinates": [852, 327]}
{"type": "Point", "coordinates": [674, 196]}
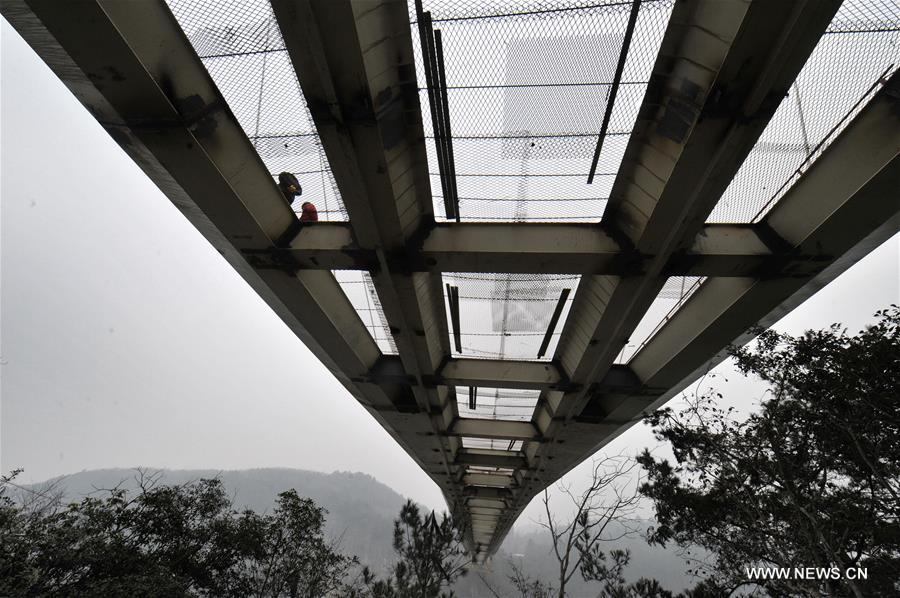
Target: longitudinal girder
{"type": "Point", "coordinates": [490, 430]}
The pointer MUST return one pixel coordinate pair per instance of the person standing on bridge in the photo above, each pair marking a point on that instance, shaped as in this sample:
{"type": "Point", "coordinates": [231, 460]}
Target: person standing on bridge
{"type": "Point", "coordinates": [308, 212]}
{"type": "Point", "coordinates": [289, 187]}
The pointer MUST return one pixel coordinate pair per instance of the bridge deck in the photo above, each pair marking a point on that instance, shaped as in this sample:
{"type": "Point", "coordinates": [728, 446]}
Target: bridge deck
{"type": "Point", "coordinates": [388, 289]}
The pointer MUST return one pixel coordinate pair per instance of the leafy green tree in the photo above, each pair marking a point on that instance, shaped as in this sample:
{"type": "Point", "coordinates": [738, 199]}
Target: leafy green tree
{"type": "Point", "coordinates": [431, 557]}
{"type": "Point", "coordinates": [811, 480]}
{"type": "Point", "coordinates": [165, 541]}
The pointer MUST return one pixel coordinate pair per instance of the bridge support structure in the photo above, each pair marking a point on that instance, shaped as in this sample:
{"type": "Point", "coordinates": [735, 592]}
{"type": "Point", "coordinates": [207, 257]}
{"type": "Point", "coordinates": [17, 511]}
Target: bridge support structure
{"type": "Point", "coordinates": [723, 68]}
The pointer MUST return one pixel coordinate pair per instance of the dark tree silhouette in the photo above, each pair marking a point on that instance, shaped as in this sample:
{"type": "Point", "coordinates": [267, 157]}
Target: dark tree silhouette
{"type": "Point", "coordinates": [164, 541]}
{"type": "Point", "coordinates": [811, 480]}
{"type": "Point", "coordinates": [431, 558]}
{"type": "Point", "coordinates": [585, 543]}
{"type": "Point", "coordinates": [601, 516]}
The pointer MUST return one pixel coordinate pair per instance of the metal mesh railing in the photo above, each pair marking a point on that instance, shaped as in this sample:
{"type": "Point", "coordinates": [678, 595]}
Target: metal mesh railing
{"type": "Point", "coordinates": [527, 86]}
{"type": "Point", "coordinates": [360, 290]}
{"type": "Point", "coordinates": [241, 47]}
{"type": "Point", "coordinates": [861, 44]}
{"type": "Point", "coordinates": [506, 316]}
{"type": "Point", "coordinates": [673, 295]}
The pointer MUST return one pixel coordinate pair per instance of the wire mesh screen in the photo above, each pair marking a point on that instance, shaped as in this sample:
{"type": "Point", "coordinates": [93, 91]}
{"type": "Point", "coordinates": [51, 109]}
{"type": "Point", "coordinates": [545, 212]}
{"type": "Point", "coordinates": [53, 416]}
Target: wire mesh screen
{"type": "Point", "coordinates": [506, 316]}
{"type": "Point", "coordinates": [671, 297]}
{"type": "Point", "coordinates": [241, 47]}
{"type": "Point", "coordinates": [358, 286]}
{"type": "Point", "coordinates": [492, 443]}
{"type": "Point", "coordinates": [861, 44]}
{"type": "Point", "coordinates": [498, 403]}
{"type": "Point", "coordinates": [527, 86]}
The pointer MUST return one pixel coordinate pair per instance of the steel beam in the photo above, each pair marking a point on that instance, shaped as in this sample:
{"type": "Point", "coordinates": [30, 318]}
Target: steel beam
{"type": "Point", "coordinates": [489, 479]}
{"type": "Point", "coordinates": [500, 373]}
{"type": "Point", "coordinates": [481, 493]}
{"type": "Point", "coordinates": [504, 373]}
{"type": "Point", "coordinates": [494, 429]}
{"type": "Point", "coordinates": [718, 250]}
{"type": "Point", "coordinates": [491, 458]}
{"type": "Point", "coordinates": [484, 511]}
{"type": "Point", "coordinates": [486, 503]}
{"type": "Point", "coordinates": [355, 65]}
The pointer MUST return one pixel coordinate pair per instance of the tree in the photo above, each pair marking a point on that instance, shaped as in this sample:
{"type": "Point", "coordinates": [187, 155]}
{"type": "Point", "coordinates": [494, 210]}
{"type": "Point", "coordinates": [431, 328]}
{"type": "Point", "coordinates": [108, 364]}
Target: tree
{"type": "Point", "coordinates": [526, 586]}
{"type": "Point", "coordinates": [602, 515]}
{"type": "Point", "coordinates": [164, 540]}
{"type": "Point", "coordinates": [291, 556]}
{"type": "Point", "coordinates": [811, 480]}
{"type": "Point", "coordinates": [431, 555]}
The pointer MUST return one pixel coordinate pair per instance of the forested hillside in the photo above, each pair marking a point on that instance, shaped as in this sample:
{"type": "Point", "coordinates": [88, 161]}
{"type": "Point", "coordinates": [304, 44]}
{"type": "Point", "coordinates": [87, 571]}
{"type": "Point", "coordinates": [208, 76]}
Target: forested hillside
{"type": "Point", "coordinates": [360, 517]}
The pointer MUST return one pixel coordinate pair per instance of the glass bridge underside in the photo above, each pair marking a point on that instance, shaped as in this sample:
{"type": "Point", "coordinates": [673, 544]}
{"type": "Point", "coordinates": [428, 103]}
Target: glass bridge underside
{"type": "Point", "coordinates": [529, 85]}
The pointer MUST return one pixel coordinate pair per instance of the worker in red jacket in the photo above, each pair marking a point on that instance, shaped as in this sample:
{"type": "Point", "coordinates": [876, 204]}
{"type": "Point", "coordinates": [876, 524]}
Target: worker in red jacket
{"type": "Point", "coordinates": [308, 212]}
{"type": "Point", "coordinates": [290, 188]}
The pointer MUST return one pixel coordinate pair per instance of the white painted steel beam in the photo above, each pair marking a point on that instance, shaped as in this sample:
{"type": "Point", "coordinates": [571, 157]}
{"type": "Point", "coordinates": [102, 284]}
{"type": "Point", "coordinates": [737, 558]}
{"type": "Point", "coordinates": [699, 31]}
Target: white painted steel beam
{"type": "Point", "coordinates": [494, 429]}
{"type": "Point", "coordinates": [499, 373]}
{"type": "Point", "coordinates": [354, 63]}
{"type": "Point", "coordinates": [487, 479]}
{"type": "Point", "coordinates": [718, 250]}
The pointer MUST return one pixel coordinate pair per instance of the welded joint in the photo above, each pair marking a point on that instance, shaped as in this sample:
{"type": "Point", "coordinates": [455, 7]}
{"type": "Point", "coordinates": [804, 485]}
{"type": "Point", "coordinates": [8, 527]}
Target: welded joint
{"type": "Point", "coordinates": [273, 258]}
{"type": "Point", "coordinates": [564, 384]}
{"type": "Point", "coordinates": [629, 261]}
{"type": "Point", "coordinates": [777, 244]}
{"type": "Point", "coordinates": [409, 259]}
{"type": "Point", "coordinates": [784, 255]}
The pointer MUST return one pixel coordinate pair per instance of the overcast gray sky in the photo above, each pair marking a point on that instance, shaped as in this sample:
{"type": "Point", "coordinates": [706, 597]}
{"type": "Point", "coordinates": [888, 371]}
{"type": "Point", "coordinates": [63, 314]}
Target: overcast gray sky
{"type": "Point", "coordinates": [128, 341]}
